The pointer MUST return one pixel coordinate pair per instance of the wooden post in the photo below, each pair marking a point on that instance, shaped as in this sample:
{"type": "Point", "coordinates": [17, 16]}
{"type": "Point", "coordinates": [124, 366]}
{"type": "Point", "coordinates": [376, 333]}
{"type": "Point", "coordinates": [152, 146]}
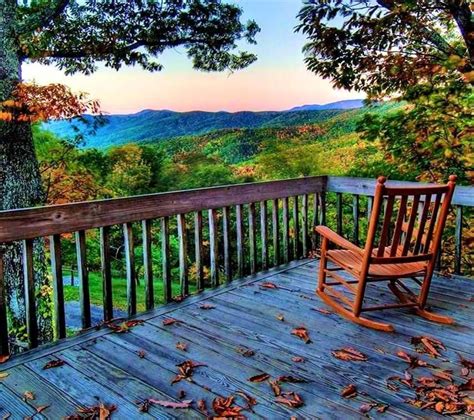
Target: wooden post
{"type": "Point", "coordinates": [213, 247]}
{"type": "Point", "coordinates": [355, 217]}
{"type": "Point", "coordinates": [4, 345]}
{"type": "Point", "coordinates": [58, 290]}
{"type": "Point", "coordinates": [252, 239]}
{"type": "Point", "coordinates": [296, 228]}
{"type": "Point", "coordinates": [183, 255]}
{"type": "Point", "coordinates": [106, 273]}
{"type": "Point", "coordinates": [305, 225]}
{"type": "Point", "coordinates": [276, 232]}
{"type": "Point", "coordinates": [198, 249]}
{"type": "Point", "coordinates": [339, 213]}
{"type": "Point", "coordinates": [227, 250]}
{"type": "Point", "coordinates": [148, 265]}
{"type": "Point", "coordinates": [458, 240]}
{"type": "Point", "coordinates": [264, 234]}
{"type": "Point", "coordinates": [240, 241]}
{"type": "Point", "coordinates": [165, 259]}
{"type": "Point", "coordinates": [131, 274]}
{"type": "Point", "coordinates": [83, 274]}
{"type": "Point", "coordinates": [30, 303]}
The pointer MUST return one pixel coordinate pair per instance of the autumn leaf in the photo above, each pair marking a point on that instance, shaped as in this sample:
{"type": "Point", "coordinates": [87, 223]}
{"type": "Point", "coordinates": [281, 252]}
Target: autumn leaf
{"type": "Point", "coordinates": [4, 358]}
{"type": "Point", "coordinates": [280, 317]}
{"type": "Point", "coordinates": [290, 399]}
{"type": "Point", "coordinates": [275, 388]}
{"type": "Point", "coordinates": [186, 370]}
{"type": "Point", "coordinates": [124, 326]}
{"type": "Point", "coordinates": [349, 354]}
{"type": "Point", "coordinates": [302, 333]}
{"type": "Point", "coordinates": [172, 404]}
{"type": "Point", "coordinates": [298, 359]}
{"type": "Point", "coordinates": [101, 411]}
{"type": "Point", "coordinates": [467, 386]}
{"type": "Point", "coordinates": [224, 407]}
{"type": "Point", "coordinates": [245, 352]}
{"type": "Point", "coordinates": [382, 408]}
{"type": "Point", "coordinates": [428, 345]}
{"type": "Point", "coordinates": [3, 375]}
{"type": "Point", "coordinates": [268, 285]}
{"type": "Point", "coordinates": [291, 379]}
{"type": "Point", "coordinates": [413, 361]}
{"type": "Point", "coordinates": [251, 401]}
{"type": "Point", "coordinates": [202, 407]}
{"type": "Point", "coordinates": [365, 408]}
{"type": "Point", "coordinates": [181, 394]}
{"type": "Point", "coordinates": [206, 306]}
{"type": "Point", "coordinates": [41, 408]}
{"type": "Point", "coordinates": [54, 364]}
{"type": "Point", "coordinates": [350, 391]}
{"type": "Point", "coordinates": [259, 378]}
{"type": "Point", "coordinates": [28, 395]}
{"type": "Point", "coordinates": [181, 346]}
{"type": "Point", "coordinates": [141, 354]}
{"type": "Point", "coordinates": [169, 321]}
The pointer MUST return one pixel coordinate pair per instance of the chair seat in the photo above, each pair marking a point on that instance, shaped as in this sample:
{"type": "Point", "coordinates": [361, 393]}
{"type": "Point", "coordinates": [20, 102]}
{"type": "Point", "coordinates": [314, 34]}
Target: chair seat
{"type": "Point", "coordinates": [352, 261]}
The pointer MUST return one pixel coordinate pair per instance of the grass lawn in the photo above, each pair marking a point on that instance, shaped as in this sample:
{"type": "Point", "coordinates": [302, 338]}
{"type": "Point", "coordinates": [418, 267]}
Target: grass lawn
{"type": "Point", "coordinates": [119, 291]}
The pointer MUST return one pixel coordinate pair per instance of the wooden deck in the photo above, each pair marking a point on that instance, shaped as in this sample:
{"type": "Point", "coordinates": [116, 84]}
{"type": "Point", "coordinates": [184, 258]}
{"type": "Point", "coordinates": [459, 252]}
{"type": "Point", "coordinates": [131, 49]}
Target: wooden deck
{"type": "Point", "coordinates": [104, 366]}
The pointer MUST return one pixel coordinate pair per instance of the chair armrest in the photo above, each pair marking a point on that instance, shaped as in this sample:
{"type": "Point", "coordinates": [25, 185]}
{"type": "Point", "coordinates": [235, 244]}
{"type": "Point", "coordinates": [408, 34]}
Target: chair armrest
{"type": "Point", "coordinates": [338, 239]}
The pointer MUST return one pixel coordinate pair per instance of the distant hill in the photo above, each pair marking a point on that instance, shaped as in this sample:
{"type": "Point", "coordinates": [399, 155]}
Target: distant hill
{"type": "Point", "coordinates": [348, 104]}
{"type": "Point", "coordinates": [149, 125]}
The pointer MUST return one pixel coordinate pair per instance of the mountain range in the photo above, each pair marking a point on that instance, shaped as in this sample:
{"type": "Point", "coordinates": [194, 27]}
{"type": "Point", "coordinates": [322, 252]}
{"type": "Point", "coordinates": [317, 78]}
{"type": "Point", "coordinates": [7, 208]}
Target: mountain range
{"type": "Point", "coordinates": [151, 125]}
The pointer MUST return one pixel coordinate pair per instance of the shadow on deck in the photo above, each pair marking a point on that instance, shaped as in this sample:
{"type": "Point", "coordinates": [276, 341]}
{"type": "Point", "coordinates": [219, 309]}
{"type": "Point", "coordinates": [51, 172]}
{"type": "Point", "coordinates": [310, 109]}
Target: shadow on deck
{"type": "Point", "coordinates": [104, 366]}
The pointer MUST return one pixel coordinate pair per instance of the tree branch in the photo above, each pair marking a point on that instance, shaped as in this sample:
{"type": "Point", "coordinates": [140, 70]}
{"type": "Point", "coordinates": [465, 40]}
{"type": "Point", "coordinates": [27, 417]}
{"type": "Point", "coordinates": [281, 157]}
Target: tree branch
{"type": "Point", "coordinates": [463, 16]}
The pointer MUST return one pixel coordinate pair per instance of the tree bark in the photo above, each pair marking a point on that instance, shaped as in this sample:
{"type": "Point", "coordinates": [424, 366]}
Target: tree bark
{"type": "Point", "coordinates": [20, 180]}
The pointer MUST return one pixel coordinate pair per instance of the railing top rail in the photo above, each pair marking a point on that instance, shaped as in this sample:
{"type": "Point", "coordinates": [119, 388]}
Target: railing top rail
{"type": "Point", "coordinates": [463, 196]}
{"type": "Point", "coordinates": [43, 221]}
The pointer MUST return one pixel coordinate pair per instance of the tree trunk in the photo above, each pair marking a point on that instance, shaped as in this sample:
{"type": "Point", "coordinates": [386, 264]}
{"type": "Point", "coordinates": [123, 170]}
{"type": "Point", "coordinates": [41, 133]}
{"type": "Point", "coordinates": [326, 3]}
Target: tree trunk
{"type": "Point", "coordinates": [20, 181]}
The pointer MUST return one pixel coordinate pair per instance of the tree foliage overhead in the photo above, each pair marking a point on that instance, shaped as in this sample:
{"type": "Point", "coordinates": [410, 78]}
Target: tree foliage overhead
{"type": "Point", "coordinates": [384, 46]}
{"type": "Point", "coordinates": [76, 35]}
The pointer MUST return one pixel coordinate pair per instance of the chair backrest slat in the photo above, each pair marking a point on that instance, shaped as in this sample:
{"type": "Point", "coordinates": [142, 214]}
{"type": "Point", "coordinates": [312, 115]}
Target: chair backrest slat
{"type": "Point", "coordinates": [420, 216]}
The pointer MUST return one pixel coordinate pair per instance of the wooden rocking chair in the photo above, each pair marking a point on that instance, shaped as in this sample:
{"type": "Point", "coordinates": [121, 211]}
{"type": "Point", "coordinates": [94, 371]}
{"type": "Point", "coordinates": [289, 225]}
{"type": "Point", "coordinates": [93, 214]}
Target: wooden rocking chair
{"type": "Point", "coordinates": [416, 217]}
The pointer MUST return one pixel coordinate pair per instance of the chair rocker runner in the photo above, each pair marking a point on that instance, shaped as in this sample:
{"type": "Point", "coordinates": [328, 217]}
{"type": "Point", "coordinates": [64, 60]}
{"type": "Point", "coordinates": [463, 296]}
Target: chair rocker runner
{"type": "Point", "coordinates": [403, 246]}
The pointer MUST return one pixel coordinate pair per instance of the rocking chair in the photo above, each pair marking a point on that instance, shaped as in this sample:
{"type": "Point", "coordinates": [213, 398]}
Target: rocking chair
{"type": "Point", "coordinates": [406, 247]}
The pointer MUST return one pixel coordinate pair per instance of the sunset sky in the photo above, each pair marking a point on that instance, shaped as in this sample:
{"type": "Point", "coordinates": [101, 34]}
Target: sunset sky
{"type": "Point", "coordinates": [277, 81]}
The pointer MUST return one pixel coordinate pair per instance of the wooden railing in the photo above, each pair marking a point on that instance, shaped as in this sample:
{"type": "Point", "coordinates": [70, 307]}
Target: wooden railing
{"type": "Point", "coordinates": [223, 232]}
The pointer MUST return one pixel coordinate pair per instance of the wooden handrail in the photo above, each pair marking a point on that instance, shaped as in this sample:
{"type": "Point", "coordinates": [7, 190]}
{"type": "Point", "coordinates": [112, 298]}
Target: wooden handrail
{"type": "Point", "coordinates": [44, 221]}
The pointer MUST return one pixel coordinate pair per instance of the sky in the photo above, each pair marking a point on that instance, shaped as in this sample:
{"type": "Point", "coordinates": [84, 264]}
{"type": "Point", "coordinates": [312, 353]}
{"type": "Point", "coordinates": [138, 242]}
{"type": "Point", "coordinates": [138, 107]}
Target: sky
{"type": "Point", "coordinates": [277, 81]}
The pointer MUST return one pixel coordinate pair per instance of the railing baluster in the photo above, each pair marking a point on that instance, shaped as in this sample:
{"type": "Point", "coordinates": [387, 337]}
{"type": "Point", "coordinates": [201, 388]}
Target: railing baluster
{"type": "Point", "coordinates": [148, 265]}
{"type": "Point", "coordinates": [226, 234]}
{"type": "Point", "coordinates": [240, 241]}
{"type": "Point", "coordinates": [131, 274]}
{"type": "Point", "coordinates": [305, 225]}
{"type": "Point", "coordinates": [106, 273]}
{"type": "Point", "coordinates": [458, 240]}
{"type": "Point", "coordinates": [198, 249]}
{"type": "Point", "coordinates": [30, 302]}
{"type": "Point", "coordinates": [314, 234]}
{"type": "Point", "coordinates": [165, 259]}
{"type": "Point", "coordinates": [183, 255]}
{"type": "Point", "coordinates": [286, 231]}
{"type": "Point", "coordinates": [58, 290]}
{"type": "Point", "coordinates": [370, 202]}
{"type": "Point", "coordinates": [355, 217]}
{"type": "Point", "coordinates": [213, 247]}
{"type": "Point", "coordinates": [276, 232]}
{"type": "Point", "coordinates": [252, 239]}
{"type": "Point", "coordinates": [264, 234]}
{"type": "Point", "coordinates": [84, 295]}
{"type": "Point", "coordinates": [296, 228]}
{"type": "Point", "coordinates": [339, 213]}
{"type": "Point", "coordinates": [322, 199]}
{"type": "Point", "coordinates": [4, 345]}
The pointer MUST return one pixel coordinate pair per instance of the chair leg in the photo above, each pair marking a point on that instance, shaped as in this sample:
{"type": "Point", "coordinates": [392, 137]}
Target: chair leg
{"type": "Point", "coordinates": [365, 322]}
{"type": "Point", "coordinates": [420, 311]}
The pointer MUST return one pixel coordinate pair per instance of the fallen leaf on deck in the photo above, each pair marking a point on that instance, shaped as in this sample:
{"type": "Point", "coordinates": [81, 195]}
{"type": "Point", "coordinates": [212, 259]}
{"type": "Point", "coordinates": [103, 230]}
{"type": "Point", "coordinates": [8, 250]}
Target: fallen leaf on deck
{"type": "Point", "coordinates": [280, 317]}
{"type": "Point", "coordinates": [41, 408]}
{"type": "Point", "coordinates": [186, 370]}
{"type": "Point", "coordinates": [54, 364]}
{"type": "Point", "coordinates": [291, 379]}
{"type": "Point", "coordinates": [100, 411]}
{"type": "Point", "coordinates": [302, 333]}
{"type": "Point", "coordinates": [291, 399]}
{"type": "Point", "coordinates": [365, 408]}
{"type": "Point", "coordinates": [206, 306]}
{"type": "Point", "coordinates": [3, 375]}
{"type": "Point", "coordinates": [181, 394]}
{"type": "Point", "coordinates": [245, 352]}
{"type": "Point", "coordinates": [268, 285]}
{"type": "Point", "coordinates": [172, 404]}
{"type": "Point", "coordinates": [349, 391]}
{"type": "Point", "coordinates": [467, 364]}
{"type": "Point", "coordinates": [224, 407]}
{"type": "Point", "coordinates": [259, 378]}
{"type": "Point", "coordinates": [428, 345]}
{"type": "Point", "coordinates": [202, 407]}
{"type": "Point", "coordinates": [178, 298]}
{"type": "Point", "coordinates": [144, 406]}
{"type": "Point", "coordinates": [445, 375]}
{"type": "Point", "coordinates": [124, 326]}
{"type": "Point", "coordinates": [141, 354]}
{"type": "Point", "coordinates": [275, 388]}
{"type": "Point", "coordinates": [298, 359]}
{"type": "Point", "coordinates": [181, 346]}
{"type": "Point", "coordinates": [28, 395]}
{"type": "Point", "coordinates": [382, 408]}
{"type": "Point", "coordinates": [169, 321]}
{"type": "Point", "coordinates": [251, 401]}
{"type": "Point", "coordinates": [467, 386]}
{"type": "Point", "coordinates": [413, 361]}
{"type": "Point", "coordinates": [349, 354]}
{"type": "Point", "coordinates": [4, 358]}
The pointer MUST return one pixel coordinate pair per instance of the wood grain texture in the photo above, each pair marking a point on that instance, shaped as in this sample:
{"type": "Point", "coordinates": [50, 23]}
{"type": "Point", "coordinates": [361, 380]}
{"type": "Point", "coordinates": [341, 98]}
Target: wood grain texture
{"type": "Point", "coordinates": [198, 250]}
{"type": "Point", "coordinates": [239, 222]}
{"type": "Point", "coordinates": [130, 268]}
{"type": "Point", "coordinates": [183, 255]}
{"type": "Point", "coordinates": [148, 265]}
{"type": "Point", "coordinates": [252, 239]}
{"type": "Point", "coordinates": [83, 272]}
{"type": "Point", "coordinates": [58, 290]}
{"type": "Point", "coordinates": [275, 232]}
{"type": "Point", "coordinates": [106, 271]}
{"type": "Point", "coordinates": [213, 248]}
{"type": "Point", "coordinates": [264, 233]}
{"type": "Point", "coordinates": [30, 301]}
{"type": "Point", "coordinates": [227, 243]}
{"type": "Point", "coordinates": [165, 259]}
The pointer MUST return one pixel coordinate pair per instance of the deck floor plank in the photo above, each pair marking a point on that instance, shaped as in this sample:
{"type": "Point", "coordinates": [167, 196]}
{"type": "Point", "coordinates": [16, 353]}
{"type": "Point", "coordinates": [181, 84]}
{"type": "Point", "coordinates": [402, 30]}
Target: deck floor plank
{"type": "Point", "coordinates": [105, 366]}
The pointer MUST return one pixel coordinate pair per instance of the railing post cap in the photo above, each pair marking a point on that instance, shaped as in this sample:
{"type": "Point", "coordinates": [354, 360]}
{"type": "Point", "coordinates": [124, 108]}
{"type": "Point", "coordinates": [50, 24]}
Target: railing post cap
{"type": "Point", "coordinates": [381, 179]}
{"type": "Point", "coordinates": [453, 178]}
